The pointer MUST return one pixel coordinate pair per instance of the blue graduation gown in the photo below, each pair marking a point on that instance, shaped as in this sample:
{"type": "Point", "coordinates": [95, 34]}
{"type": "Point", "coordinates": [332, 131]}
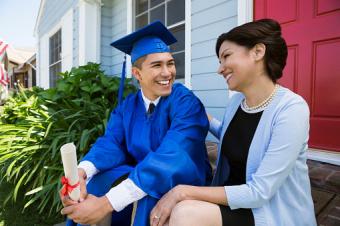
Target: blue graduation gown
{"type": "Point", "coordinates": [159, 151]}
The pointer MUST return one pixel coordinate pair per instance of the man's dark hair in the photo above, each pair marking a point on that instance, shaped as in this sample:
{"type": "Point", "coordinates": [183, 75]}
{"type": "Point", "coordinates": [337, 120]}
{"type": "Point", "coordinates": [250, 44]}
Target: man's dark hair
{"type": "Point", "coordinates": [138, 63]}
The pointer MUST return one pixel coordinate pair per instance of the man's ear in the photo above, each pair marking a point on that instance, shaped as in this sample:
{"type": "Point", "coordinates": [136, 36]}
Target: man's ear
{"type": "Point", "coordinates": [259, 50]}
{"type": "Point", "coordinates": [136, 73]}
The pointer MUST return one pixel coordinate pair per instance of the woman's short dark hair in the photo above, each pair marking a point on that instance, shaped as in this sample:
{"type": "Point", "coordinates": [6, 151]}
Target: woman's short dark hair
{"type": "Point", "coordinates": [266, 31]}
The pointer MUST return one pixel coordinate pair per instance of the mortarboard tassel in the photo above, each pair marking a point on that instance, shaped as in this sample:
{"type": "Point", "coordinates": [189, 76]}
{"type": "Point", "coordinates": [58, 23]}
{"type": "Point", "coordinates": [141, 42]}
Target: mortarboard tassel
{"type": "Point", "coordinates": [122, 80]}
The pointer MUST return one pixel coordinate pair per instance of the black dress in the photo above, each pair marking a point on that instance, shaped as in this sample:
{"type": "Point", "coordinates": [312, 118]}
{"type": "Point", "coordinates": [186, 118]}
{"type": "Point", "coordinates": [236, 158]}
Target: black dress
{"type": "Point", "coordinates": [235, 147]}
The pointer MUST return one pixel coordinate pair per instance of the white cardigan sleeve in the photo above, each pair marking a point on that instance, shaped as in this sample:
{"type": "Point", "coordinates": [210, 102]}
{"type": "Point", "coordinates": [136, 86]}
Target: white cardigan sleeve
{"type": "Point", "coordinates": [289, 137]}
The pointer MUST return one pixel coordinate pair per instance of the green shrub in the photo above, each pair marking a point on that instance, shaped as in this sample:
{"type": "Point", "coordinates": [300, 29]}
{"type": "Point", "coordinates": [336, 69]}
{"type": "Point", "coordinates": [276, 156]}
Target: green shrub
{"type": "Point", "coordinates": [35, 123]}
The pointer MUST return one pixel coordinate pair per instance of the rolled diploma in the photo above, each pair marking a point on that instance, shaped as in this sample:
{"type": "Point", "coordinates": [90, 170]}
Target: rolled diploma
{"type": "Point", "coordinates": [69, 158]}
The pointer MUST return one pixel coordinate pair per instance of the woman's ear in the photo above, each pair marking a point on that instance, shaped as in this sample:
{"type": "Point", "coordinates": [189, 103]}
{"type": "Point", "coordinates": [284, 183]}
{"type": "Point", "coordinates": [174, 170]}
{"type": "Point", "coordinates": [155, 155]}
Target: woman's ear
{"type": "Point", "coordinates": [259, 50]}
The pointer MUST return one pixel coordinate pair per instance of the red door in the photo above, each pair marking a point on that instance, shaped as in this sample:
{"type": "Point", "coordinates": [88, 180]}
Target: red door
{"type": "Point", "coordinates": [311, 29]}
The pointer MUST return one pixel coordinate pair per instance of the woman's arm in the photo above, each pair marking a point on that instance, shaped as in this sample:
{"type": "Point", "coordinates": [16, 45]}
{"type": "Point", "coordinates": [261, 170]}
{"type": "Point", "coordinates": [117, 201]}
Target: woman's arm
{"type": "Point", "coordinates": [288, 140]}
{"type": "Point", "coordinates": [209, 194]}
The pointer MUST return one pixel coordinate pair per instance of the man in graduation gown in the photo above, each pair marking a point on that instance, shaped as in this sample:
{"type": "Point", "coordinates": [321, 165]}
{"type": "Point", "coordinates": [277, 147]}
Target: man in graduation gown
{"type": "Point", "coordinates": [156, 138]}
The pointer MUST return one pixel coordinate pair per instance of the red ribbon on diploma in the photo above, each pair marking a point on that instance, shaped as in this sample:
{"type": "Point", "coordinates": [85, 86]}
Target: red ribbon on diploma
{"type": "Point", "coordinates": [67, 187]}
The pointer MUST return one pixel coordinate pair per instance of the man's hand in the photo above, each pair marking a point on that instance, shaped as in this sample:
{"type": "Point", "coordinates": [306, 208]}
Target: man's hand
{"type": "Point", "coordinates": [90, 211]}
{"type": "Point", "coordinates": [66, 200]}
{"type": "Point", "coordinates": [82, 183]}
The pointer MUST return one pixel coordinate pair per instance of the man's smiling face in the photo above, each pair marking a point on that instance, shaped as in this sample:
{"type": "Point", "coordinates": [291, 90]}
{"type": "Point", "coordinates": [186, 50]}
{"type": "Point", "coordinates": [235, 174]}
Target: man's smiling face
{"type": "Point", "coordinates": [156, 75]}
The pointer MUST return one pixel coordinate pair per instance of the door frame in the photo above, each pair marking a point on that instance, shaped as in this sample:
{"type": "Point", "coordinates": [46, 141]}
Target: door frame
{"type": "Point", "coordinates": [245, 9]}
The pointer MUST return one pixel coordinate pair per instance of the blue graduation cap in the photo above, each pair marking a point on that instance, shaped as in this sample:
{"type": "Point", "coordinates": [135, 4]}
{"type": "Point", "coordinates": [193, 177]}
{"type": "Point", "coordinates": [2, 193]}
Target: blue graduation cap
{"type": "Point", "coordinates": [153, 38]}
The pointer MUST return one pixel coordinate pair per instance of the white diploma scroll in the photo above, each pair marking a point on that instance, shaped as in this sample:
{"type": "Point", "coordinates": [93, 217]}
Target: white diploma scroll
{"type": "Point", "coordinates": [69, 158]}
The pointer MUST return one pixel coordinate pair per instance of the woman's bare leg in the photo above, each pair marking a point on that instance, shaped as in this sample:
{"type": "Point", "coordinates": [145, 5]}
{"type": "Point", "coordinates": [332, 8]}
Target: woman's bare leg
{"type": "Point", "coordinates": [195, 213]}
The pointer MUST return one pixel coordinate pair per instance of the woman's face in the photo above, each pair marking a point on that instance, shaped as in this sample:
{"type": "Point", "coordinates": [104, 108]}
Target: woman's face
{"type": "Point", "coordinates": [237, 65]}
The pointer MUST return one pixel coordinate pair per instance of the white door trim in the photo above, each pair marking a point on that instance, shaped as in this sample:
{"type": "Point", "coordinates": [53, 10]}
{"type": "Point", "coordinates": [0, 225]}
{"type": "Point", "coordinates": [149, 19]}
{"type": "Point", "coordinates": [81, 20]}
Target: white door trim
{"type": "Point", "coordinates": [89, 31]}
{"type": "Point", "coordinates": [187, 54]}
{"type": "Point", "coordinates": [129, 26]}
{"type": "Point", "coordinates": [244, 11]}
{"type": "Point", "coordinates": [324, 156]}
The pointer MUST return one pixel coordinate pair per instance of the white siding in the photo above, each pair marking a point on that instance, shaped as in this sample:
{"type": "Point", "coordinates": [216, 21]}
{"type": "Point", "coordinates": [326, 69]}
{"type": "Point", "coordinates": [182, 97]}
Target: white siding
{"type": "Point", "coordinates": [119, 12]}
{"type": "Point", "coordinates": [113, 26]}
{"type": "Point", "coordinates": [52, 13]}
{"type": "Point", "coordinates": [209, 20]}
{"type": "Point", "coordinates": [106, 36]}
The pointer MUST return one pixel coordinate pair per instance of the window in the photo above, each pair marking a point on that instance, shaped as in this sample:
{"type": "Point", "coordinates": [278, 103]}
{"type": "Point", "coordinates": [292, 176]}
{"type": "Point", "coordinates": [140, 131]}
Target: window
{"type": "Point", "coordinates": [55, 57]}
{"type": "Point", "coordinates": [172, 14]}
{"type": "Point", "coordinates": [34, 77]}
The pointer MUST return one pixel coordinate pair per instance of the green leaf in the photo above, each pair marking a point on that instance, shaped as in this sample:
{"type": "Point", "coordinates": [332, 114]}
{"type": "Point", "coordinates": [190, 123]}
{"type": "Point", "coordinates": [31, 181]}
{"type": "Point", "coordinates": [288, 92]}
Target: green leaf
{"type": "Point", "coordinates": [35, 123]}
{"type": "Point", "coordinates": [35, 190]}
{"type": "Point", "coordinates": [18, 185]}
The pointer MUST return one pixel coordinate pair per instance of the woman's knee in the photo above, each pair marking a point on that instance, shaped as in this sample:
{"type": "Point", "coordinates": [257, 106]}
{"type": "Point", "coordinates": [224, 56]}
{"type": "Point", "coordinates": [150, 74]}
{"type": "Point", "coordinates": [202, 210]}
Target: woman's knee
{"type": "Point", "coordinates": [183, 207]}
{"type": "Point", "coordinates": [192, 212]}
{"type": "Point", "coordinates": [183, 213]}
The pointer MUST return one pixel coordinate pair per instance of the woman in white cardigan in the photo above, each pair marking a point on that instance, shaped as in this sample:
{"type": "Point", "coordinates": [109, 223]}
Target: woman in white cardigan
{"type": "Point", "coordinates": [262, 175]}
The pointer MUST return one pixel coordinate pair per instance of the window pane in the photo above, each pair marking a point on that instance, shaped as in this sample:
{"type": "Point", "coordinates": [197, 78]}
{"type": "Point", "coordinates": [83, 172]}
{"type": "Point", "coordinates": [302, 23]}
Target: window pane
{"type": "Point", "coordinates": [141, 21]}
{"type": "Point", "coordinates": [55, 47]}
{"type": "Point", "coordinates": [51, 76]}
{"type": "Point", "coordinates": [59, 49]}
{"type": "Point", "coordinates": [55, 55]}
{"type": "Point", "coordinates": [54, 71]}
{"type": "Point", "coordinates": [54, 51]}
{"type": "Point", "coordinates": [179, 33]}
{"type": "Point", "coordinates": [155, 2]}
{"type": "Point", "coordinates": [180, 65]}
{"type": "Point", "coordinates": [59, 53]}
{"type": "Point", "coordinates": [34, 78]}
{"type": "Point", "coordinates": [141, 6]}
{"type": "Point", "coordinates": [158, 14]}
{"type": "Point", "coordinates": [51, 50]}
{"type": "Point", "coordinates": [59, 45]}
{"type": "Point", "coordinates": [176, 11]}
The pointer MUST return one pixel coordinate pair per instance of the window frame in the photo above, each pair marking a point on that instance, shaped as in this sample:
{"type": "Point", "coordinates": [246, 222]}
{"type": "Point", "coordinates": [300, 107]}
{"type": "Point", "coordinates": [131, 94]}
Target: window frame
{"type": "Point", "coordinates": [52, 65]}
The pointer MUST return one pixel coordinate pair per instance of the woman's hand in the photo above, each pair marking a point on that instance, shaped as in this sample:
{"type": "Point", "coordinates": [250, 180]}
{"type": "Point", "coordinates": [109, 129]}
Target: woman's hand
{"type": "Point", "coordinates": [209, 117]}
{"type": "Point", "coordinates": [161, 212]}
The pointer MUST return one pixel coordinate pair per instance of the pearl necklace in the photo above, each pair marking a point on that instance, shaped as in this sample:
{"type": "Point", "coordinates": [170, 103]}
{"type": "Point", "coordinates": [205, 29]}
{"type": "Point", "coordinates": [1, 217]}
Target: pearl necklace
{"type": "Point", "coordinates": [260, 106]}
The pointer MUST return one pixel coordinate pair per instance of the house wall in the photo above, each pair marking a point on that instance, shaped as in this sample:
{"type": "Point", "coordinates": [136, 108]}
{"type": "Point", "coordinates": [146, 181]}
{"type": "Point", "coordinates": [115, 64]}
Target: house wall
{"type": "Point", "coordinates": [208, 20]}
{"type": "Point", "coordinates": [53, 11]}
{"type": "Point", "coordinates": [119, 29]}
{"type": "Point", "coordinates": [55, 15]}
{"type": "Point", "coordinates": [113, 26]}
{"type": "Point", "coordinates": [106, 36]}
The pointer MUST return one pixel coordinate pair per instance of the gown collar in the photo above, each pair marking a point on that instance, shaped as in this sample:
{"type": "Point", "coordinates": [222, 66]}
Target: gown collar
{"type": "Point", "coordinates": [147, 102]}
